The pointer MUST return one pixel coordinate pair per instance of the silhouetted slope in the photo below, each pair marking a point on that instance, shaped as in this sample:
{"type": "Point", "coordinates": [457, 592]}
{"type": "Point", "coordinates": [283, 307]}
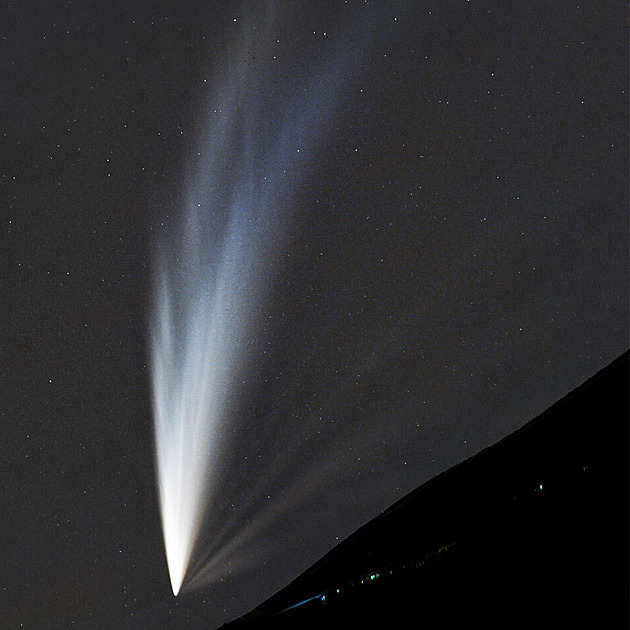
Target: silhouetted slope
{"type": "Point", "coordinates": [531, 530]}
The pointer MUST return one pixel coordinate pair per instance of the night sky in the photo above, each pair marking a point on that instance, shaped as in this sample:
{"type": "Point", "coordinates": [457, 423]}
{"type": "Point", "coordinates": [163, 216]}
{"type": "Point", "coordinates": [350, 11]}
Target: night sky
{"type": "Point", "coordinates": [431, 210]}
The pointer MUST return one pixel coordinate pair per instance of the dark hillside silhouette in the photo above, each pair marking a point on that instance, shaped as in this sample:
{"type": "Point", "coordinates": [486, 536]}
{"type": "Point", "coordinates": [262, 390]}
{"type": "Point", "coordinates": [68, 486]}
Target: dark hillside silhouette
{"type": "Point", "coordinates": [533, 530]}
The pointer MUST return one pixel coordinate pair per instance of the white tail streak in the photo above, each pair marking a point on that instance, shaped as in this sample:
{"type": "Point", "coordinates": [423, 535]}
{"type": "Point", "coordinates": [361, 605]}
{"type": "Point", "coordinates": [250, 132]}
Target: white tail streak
{"type": "Point", "coordinates": [214, 272]}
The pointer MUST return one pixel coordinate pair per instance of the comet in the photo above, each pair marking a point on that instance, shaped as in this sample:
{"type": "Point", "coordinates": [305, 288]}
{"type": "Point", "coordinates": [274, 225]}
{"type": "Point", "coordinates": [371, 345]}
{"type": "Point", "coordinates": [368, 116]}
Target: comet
{"type": "Point", "coordinates": [213, 273]}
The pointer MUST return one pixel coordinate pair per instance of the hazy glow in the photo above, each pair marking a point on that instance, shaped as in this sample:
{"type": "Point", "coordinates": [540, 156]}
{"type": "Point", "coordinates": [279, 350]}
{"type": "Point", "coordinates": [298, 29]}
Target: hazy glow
{"type": "Point", "coordinates": [213, 273]}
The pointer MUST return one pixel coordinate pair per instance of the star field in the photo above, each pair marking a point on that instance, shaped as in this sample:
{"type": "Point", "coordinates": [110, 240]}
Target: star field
{"type": "Point", "coordinates": [453, 258]}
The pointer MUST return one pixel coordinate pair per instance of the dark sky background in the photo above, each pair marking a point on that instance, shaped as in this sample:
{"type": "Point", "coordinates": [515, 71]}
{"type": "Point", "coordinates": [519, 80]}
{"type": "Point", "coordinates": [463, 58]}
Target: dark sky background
{"type": "Point", "coordinates": [454, 260]}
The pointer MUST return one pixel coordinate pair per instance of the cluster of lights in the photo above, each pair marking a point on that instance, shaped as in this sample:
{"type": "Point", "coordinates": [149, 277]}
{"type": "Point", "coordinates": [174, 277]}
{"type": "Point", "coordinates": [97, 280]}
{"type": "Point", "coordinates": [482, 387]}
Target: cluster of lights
{"type": "Point", "coordinates": [370, 578]}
